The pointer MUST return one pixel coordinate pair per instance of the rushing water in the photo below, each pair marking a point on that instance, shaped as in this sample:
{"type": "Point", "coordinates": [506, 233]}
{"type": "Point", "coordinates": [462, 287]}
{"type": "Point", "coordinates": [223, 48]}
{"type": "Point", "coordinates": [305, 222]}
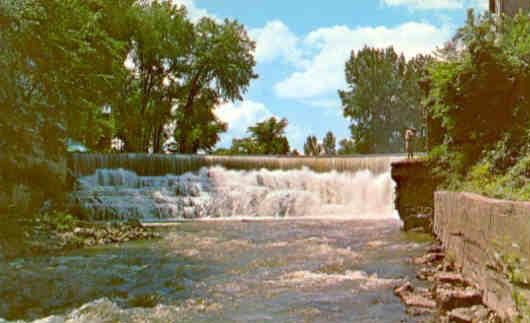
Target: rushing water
{"type": "Point", "coordinates": [217, 192]}
{"type": "Point", "coordinates": [284, 245]}
{"type": "Point", "coordinates": [222, 271]}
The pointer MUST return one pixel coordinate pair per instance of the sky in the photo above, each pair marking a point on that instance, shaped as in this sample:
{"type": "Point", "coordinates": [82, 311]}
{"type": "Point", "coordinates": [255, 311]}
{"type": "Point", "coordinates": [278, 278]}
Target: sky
{"type": "Point", "coordinates": [302, 46]}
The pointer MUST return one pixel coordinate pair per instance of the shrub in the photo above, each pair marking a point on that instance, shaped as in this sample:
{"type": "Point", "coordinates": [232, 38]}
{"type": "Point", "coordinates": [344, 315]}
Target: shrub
{"type": "Point", "coordinates": [480, 93]}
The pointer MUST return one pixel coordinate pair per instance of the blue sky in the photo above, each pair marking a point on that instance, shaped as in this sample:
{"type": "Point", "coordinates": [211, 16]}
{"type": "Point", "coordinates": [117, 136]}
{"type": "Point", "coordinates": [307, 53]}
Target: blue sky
{"type": "Point", "coordinates": [302, 47]}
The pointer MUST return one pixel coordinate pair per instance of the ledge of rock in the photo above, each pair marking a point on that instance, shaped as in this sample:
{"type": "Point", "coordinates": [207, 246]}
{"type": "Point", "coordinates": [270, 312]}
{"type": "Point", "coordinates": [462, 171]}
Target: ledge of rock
{"type": "Point", "coordinates": [415, 187]}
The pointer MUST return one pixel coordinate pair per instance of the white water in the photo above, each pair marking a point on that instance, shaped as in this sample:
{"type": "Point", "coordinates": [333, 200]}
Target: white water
{"type": "Point", "coordinates": [220, 193]}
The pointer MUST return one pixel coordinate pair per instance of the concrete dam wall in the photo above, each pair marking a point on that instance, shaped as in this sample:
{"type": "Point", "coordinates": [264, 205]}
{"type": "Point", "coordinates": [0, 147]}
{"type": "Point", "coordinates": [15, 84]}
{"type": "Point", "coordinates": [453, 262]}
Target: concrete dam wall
{"type": "Point", "coordinates": [159, 164]}
{"type": "Point", "coordinates": [490, 240]}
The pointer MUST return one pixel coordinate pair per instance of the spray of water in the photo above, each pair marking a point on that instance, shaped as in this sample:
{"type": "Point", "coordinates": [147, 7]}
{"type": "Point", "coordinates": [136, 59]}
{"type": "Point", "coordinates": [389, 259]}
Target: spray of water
{"type": "Point", "coordinates": [216, 192]}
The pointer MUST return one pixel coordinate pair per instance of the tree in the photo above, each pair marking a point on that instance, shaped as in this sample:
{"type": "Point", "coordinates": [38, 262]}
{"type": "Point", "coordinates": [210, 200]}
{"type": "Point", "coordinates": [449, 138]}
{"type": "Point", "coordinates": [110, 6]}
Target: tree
{"type": "Point", "coordinates": [383, 98]}
{"type": "Point", "coordinates": [57, 60]}
{"type": "Point", "coordinates": [346, 147]}
{"type": "Point", "coordinates": [181, 73]}
{"type": "Point", "coordinates": [329, 143]}
{"type": "Point", "coordinates": [266, 138]}
{"type": "Point", "coordinates": [312, 147]}
{"type": "Point", "coordinates": [159, 46]}
{"type": "Point", "coordinates": [219, 66]}
{"type": "Point", "coordinates": [269, 136]}
{"type": "Point", "coordinates": [480, 94]}
{"type": "Point", "coordinates": [245, 146]}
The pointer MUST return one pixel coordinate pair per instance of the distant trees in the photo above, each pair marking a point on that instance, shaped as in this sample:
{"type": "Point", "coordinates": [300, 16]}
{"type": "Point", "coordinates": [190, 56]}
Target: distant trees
{"type": "Point", "coordinates": [346, 147]}
{"type": "Point", "coordinates": [312, 147]}
{"type": "Point", "coordinates": [329, 143]}
{"type": "Point", "coordinates": [266, 138]}
{"type": "Point", "coordinates": [383, 98]}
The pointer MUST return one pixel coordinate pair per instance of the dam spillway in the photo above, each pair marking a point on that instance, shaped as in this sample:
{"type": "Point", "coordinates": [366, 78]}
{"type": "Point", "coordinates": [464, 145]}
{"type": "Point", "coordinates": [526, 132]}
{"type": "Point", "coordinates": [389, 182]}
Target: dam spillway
{"type": "Point", "coordinates": [161, 164]}
{"type": "Point", "coordinates": [173, 187]}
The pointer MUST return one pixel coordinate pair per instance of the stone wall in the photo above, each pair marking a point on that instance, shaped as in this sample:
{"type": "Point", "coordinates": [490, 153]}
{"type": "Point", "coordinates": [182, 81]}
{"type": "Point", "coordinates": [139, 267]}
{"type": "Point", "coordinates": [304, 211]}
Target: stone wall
{"type": "Point", "coordinates": [414, 194]}
{"type": "Point", "coordinates": [481, 235]}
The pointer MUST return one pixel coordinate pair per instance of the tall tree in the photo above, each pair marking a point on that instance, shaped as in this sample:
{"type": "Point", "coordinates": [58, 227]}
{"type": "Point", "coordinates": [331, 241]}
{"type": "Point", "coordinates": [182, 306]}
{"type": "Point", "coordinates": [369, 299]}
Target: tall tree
{"type": "Point", "coordinates": [312, 147]}
{"type": "Point", "coordinates": [220, 66]}
{"type": "Point", "coordinates": [383, 98]}
{"type": "Point", "coordinates": [329, 143]}
{"type": "Point", "coordinates": [159, 47]}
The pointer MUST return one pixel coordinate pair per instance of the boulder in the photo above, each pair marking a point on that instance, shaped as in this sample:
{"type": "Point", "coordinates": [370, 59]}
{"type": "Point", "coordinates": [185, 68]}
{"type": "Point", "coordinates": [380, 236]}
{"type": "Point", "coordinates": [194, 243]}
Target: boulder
{"type": "Point", "coordinates": [449, 298]}
{"type": "Point", "coordinates": [452, 278]}
{"type": "Point", "coordinates": [430, 258]}
{"type": "Point", "coordinates": [415, 297]}
{"type": "Point", "coordinates": [475, 314]}
{"type": "Point", "coordinates": [426, 273]}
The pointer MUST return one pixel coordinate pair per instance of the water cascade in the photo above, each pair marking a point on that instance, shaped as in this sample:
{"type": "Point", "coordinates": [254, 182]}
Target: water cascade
{"type": "Point", "coordinates": [363, 189]}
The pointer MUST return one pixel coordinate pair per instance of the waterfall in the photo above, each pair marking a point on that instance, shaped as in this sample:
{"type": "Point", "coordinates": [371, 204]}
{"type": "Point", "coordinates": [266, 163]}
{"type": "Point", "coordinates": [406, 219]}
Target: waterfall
{"type": "Point", "coordinates": [157, 187]}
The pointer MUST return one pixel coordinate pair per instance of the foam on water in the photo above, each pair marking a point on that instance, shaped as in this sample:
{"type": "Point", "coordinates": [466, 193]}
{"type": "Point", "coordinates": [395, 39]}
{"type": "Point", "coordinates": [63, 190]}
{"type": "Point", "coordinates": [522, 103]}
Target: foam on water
{"type": "Point", "coordinates": [220, 193]}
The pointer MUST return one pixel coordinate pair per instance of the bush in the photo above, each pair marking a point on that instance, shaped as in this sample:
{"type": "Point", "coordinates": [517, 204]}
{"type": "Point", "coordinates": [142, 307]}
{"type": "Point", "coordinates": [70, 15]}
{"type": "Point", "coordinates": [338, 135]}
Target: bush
{"type": "Point", "coordinates": [480, 94]}
{"type": "Point", "coordinates": [57, 221]}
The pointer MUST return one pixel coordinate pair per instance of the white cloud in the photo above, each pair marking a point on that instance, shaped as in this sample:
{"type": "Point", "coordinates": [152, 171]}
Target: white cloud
{"type": "Point", "coordinates": [438, 4]}
{"type": "Point", "coordinates": [239, 117]}
{"type": "Point", "coordinates": [324, 75]}
{"type": "Point", "coordinates": [276, 41]}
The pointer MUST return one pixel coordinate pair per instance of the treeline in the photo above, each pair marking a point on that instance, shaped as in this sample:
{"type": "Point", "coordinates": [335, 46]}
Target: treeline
{"type": "Point", "coordinates": [268, 138]}
{"type": "Point", "coordinates": [63, 71]}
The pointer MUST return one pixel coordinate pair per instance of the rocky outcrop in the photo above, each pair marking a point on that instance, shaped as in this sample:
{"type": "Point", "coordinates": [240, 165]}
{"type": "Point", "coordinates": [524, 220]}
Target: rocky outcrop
{"type": "Point", "coordinates": [490, 241]}
{"type": "Point", "coordinates": [415, 188]}
{"type": "Point", "coordinates": [445, 296]}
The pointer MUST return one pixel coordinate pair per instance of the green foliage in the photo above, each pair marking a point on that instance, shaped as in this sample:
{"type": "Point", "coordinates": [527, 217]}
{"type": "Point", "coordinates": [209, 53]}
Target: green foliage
{"type": "Point", "coordinates": [219, 68]}
{"type": "Point", "coordinates": [266, 138]}
{"type": "Point", "coordinates": [57, 221]}
{"type": "Point", "coordinates": [62, 63]}
{"type": "Point", "coordinates": [158, 46]}
{"type": "Point", "coordinates": [57, 62]}
{"type": "Point", "coordinates": [480, 93]}
{"type": "Point", "coordinates": [383, 98]}
{"type": "Point", "coordinates": [347, 147]}
{"type": "Point", "coordinates": [312, 147]}
{"type": "Point", "coordinates": [329, 143]}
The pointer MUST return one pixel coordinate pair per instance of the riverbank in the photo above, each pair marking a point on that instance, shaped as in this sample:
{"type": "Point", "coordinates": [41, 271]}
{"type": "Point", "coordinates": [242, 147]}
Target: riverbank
{"type": "Point", "coordinates": [444, 293]}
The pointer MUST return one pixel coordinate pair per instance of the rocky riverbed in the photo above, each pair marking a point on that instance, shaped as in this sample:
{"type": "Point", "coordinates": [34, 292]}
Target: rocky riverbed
{"type": "Point", "coordinates": [445, 294]}
{"type": "Point", "coordinates": [40, 236]}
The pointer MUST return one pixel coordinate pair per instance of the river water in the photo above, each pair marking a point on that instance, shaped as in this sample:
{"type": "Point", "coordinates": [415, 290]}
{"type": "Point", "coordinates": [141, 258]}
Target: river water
{"type": "Point", "coordinates": [311, 248]}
